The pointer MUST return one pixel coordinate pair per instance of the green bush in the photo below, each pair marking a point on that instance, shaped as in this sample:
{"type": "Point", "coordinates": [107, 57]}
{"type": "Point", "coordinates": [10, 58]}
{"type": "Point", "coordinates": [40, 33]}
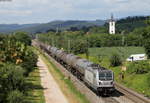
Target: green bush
{"type": "Point", "coordinates": [148, 79]}
{"type": "Point", "coordinates": [15, 97]}
{"type": "Point", "coordinates": [139, 67]}
{"type": "Point", "coordinates": [29, 61]}
{"type": "Point", "coordinates": [115, 60]}
{"type": "Point", "coordinates": [11, 78]}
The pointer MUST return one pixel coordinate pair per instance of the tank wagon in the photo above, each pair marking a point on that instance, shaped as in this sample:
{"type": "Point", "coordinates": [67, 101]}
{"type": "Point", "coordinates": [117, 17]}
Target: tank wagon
{"type": "Point", "coordinates": [98, 78]}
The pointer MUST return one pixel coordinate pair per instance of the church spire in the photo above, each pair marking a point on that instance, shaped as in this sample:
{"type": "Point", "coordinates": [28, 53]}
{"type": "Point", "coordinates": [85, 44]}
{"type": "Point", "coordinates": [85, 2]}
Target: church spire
{"type": "Point", "coordinates": [112, 25]}
{"type": "Point", "coordinates": [112, 16]}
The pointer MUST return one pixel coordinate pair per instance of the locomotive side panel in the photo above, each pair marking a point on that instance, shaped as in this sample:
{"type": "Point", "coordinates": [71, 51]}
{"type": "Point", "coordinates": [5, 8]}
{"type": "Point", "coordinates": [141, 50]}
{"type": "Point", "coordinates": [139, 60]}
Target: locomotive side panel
{"type": "Point", "coordinates": [89, 76]}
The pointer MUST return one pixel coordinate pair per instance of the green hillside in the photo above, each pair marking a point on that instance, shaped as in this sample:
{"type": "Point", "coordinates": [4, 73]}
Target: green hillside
{"type": "Point", "coordinates": [44, 27]}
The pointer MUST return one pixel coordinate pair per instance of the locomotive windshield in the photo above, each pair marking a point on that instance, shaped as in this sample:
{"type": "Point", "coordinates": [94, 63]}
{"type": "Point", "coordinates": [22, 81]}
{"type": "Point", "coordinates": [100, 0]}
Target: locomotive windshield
{"type": "Point", "coordinates": [105, 76]}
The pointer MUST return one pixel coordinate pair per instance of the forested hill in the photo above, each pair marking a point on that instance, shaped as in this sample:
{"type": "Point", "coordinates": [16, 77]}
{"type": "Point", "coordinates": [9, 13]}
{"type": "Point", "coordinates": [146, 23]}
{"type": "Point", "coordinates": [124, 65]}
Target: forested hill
{"type": "Point", "coordinates": [44, 27]}
{"type": "Point", "coordinates": [125, 25]}
{"type": "Point", "coordinates": [12, 27]}
{"type": "Point", "coordinates": [130, 23]}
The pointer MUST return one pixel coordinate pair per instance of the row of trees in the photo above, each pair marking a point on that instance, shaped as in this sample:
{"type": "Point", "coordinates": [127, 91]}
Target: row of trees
{"type": "Point", "coordinates": [17, 60]}
{"type": "Point", "coordinates": [78, 42]}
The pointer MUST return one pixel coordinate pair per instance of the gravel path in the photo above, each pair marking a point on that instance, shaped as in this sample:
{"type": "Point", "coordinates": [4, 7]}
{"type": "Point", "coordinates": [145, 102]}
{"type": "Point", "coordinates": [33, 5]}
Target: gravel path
{"type": "Point", "coordinates": [52, 92]}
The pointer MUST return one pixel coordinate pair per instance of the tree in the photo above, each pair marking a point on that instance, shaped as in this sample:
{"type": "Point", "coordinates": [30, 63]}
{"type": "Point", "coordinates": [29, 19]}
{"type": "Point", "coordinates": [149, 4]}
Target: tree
{"type": "Point", "coordinates": [11, 77]}
{"type": "Point", "coordinates": [79, 46]}
{"type": "Point", "coordinates": [115, 60]}
{"type": "Point", "coordinates": [18, 53]}
{"type": "Point", "coordinates": [146, 36]}
{"type": "Point", "coordinates": [23, 37]}
{"type": "Point", "coordinates": [29, 61]}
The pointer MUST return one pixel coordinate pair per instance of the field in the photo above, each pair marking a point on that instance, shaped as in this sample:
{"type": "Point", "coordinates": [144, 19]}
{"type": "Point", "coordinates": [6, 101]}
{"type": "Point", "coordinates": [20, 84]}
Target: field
{"type": "Point", "coordinates": [123, 51]}
{"type": "Point", "coordinates": [137, 82]}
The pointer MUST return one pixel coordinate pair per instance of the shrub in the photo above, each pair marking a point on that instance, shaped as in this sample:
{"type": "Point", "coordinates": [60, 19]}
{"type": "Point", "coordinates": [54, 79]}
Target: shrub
{"type": "Point", "coordinates": [15, 97]}
{"type": "Point", "coordinates": [115, 60]}
{"type": "Point", "coordinates": [148, 79]}
{"type": "Point", "coordinates": [11, 78]}
{"type": "Point", "coordinates": [139, 67]}
{"type": "Point", "coordinates": [30, 60]}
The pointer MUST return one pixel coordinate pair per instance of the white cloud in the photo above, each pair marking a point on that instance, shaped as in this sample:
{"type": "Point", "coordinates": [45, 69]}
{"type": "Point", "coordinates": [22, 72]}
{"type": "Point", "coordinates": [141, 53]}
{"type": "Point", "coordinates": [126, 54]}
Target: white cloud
{"type": "Point", "coordinates": [47, 10]}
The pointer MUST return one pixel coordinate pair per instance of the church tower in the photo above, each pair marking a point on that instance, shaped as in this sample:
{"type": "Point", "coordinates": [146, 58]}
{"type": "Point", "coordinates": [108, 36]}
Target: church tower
{"type": "Point", "coordinates": [112, 25]}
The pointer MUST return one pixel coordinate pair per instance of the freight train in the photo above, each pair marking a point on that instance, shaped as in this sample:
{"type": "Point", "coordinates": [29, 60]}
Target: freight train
{"type": "Point", "coordinates": [96, 77]}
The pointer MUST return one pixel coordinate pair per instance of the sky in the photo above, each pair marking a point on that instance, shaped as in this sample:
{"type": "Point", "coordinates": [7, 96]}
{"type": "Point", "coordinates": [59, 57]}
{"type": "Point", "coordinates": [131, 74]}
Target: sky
{"type": "Point", "coordinates": [42, 11]}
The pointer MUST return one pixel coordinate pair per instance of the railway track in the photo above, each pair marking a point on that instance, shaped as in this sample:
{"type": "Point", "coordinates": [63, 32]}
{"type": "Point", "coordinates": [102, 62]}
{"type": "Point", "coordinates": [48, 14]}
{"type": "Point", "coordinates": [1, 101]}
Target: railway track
{"type": "Point", "coordinates": [132, 95]}
{"type": "Point", "coordinates": [122, 95]}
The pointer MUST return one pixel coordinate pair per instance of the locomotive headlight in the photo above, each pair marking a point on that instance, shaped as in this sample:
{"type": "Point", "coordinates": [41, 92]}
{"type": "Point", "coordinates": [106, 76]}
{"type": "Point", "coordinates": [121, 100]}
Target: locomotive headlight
{"type": "Point", "coordinates": [100, 83]}
{"type": "Point", "coordinates": [111, 83]}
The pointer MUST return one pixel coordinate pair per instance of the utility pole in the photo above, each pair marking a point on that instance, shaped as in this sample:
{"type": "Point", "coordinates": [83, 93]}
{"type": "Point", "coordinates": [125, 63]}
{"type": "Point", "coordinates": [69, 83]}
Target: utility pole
{"type": "Point", "coordinates": [69, 42]}
{"type": "Point", "coordinates": [123, 38]}
{"type": "Point", "coordinates": [53, 42]}
{"type": "Point", "coordinates": [87, 51]}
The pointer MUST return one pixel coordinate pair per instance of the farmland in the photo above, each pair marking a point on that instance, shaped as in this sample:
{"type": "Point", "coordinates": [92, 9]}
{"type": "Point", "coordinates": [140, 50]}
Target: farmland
{"type": "Point", "coordinates": [123, 51]}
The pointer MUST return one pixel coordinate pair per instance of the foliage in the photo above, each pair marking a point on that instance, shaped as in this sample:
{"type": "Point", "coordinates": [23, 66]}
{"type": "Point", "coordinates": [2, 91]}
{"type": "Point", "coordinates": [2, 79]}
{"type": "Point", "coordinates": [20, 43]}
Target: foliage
{"type": "Point", "coordinates": [96, 29]}
{"type": "Point", "coordinates": [11, 78]}
{"type": "Point", "coordinates": [139, 67]}
{"type": "Point", "coordinates": [115, 60]}
{"type": "Point", "coordinates": [11, 51]}
{"type": "Point", "coordinates": [92, 40]}
{"type": "Point", "coordinates": [146, 36]}
{"type": "Point", "coordinates": [30, 60]}
{"type": "Point", "coordinates": [148, 79]}
{"type": "Point", "coordinates": [79, 47]}
{"type": "Point", "coordinates": [15, 97]}
{"type": "Point", "coordinates": [17, 60]}
{"type": "Point", "coordinates": [23, 37]}
{"type": "Point", "coordinates": [128, 24]}
{"type": "Point", "coordinates": [17, 53]}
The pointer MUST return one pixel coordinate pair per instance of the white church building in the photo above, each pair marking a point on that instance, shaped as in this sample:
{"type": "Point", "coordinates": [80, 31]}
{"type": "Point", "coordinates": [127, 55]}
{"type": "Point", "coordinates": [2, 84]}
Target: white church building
{"type": "Point", "coordinates": [112, 23]}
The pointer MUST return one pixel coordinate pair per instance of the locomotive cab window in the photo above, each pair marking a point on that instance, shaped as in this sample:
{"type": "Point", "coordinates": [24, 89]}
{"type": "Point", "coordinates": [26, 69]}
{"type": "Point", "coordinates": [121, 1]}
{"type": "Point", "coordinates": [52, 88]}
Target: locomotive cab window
{"type": "Point", "coordinates": [105, 76]}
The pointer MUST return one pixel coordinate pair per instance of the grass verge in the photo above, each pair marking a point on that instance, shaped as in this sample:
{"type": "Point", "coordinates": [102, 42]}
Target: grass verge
{"type": "Point", "coordinates": [35, 91]}
{"type": "Point", "coordinates": [66, 85]}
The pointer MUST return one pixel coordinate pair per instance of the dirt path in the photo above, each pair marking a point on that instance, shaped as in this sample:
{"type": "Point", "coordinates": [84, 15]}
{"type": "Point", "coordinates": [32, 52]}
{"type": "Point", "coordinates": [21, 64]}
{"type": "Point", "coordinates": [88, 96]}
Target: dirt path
{"type": "Point", "coordinates": [52, 92]}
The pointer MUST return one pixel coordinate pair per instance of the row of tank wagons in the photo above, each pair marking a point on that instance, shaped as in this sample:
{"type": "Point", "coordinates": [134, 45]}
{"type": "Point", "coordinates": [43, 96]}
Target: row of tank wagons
{"type": "Point", "coordinates": [84, 69]}
{"type": "Point", "coordinates": [69, 59]}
